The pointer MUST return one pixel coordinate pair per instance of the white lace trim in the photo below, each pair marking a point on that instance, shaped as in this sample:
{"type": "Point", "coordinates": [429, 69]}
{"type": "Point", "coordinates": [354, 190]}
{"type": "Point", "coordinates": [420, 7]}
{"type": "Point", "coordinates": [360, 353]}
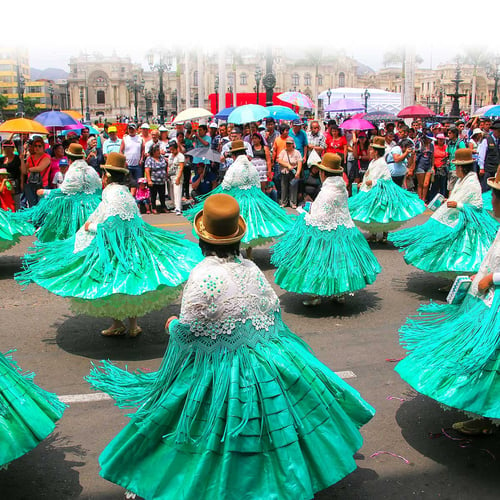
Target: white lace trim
{"type": "Point", "coordinates": [377, 169]}
{"type": "Point", "coordinates": [81, 178]}
{"type": "Point", "coordinates": [330, 209]}
{"type": "Point", "coordinates": [116, 200]}
{"type": "Point", "coordinates": [466, 190]}
{"type": "Point", "coordinates": [241, 174]}
{"type": "Point", "coordinates": [221, 293]}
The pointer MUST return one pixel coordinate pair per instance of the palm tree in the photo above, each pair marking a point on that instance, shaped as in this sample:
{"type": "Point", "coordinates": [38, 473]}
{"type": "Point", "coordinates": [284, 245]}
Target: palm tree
{"type": "Point", "coordinates": [478, 57]}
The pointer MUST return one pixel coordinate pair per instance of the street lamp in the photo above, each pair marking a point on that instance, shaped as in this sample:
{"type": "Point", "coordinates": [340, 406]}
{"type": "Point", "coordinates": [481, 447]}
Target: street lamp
{"type": "Point", "coordinates": [216, 90]}
{"type": "Point", "coordinates": [365, 95]}
{"type": "Point", "coordinates": [51, 93]}
{"type": "Point", "coordinates": [494, 72]}
{"type": "Point", "coordinates": [81, 99]}
{"type": "Point", "coordinates": [329, 95]}
{"type": "Point", "coordinates": [160, 66]}
{"type": "Point", "coordinates": [135, 86]}
{"type": "Point", "coordinates": [258, 76]}
{"type": "Point", "coordinates": [20, 92]}
{"type": "Point", "coordinates": [230, 90]}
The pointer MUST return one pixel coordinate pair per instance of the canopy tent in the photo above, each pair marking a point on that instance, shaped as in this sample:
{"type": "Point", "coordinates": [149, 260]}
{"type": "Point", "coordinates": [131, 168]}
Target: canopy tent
{"type": "Point", "coordinates": [379, 100]}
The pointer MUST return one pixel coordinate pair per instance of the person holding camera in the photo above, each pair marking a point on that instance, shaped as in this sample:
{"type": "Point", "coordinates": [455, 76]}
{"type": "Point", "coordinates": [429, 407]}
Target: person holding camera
{"type": "Point", "coordinates": [203, 182]}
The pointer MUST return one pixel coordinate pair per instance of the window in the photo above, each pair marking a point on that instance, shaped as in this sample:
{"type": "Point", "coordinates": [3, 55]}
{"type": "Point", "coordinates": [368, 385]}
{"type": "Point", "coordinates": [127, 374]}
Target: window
{"type": "Point", "coordinates": [320, 79]}
{"type": "Point", "coordinates": [243, 79]}
{"type": "Point", "coordinates": [195, 79]}
{"type": "Point", "coordinates": [101, 97]}
{"type": "Point", "coordinates": [196, 101]}
{"type": "Point", "coordinates": [307, 79]}
{"type": "Point", "coordinates": [341, 79]}
{"type": "Point", "coordinates": [295, 80]}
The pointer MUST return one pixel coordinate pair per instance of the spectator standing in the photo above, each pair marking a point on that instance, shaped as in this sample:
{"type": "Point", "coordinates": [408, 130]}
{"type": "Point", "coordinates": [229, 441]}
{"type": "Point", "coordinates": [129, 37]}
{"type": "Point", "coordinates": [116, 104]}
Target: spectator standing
{"type": "Point", "coordinates": [156, 175]}
{"type": "Point", "coordinates": [397, 160]}
{"type": "Point", "coordinates": [92, 155]}
{"type": "Point", "coordinates": [299, 136]}
{"type": "Point", "coordinates": [336, 142]}
{"type": "Point", "coordinates": [489, 154]}
{"type": "Point", "coordinates": [203, 182]}
{"type": "Point", "coordinates": [84, 137]}
{"type": "Point", "coordinates": [454, 143]}
{"type": "Point", "coordinates": [132, 147]}
{"type": "Point", "coordinates": [155, 139]}
{"type": "Point", "coordinates": [440, 168]}
{"type": "Point", "coordinates": [424, 161]}
{"type": "Point", "coordinates": [316, 140]}
{"type": "Point", "coordinates": [38, 170]}
{"type": "Point", "coordinates": [261, 159]}
{"type": "Point", "coordinates": [113, 143]}
{"type": "Point", "coordinates": [271, 133]}
{"type": "Point", "coordinates": [14, 164]}
{"type": "Point", "coordinates": [175, 176]}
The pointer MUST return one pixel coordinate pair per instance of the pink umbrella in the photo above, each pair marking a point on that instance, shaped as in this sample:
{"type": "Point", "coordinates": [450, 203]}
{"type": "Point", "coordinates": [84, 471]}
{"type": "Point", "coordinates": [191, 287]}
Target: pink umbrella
{"type": "Point", "coordinates": [415, 112]}
{"type": "Point", "coordinates": [356, 124]}
{"type": "Point", "coordinates": [358, 115]}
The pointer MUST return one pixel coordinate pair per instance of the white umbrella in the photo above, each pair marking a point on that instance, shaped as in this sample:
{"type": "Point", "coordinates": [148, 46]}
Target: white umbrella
{"type": "Point", "coordinates": [191, 114]}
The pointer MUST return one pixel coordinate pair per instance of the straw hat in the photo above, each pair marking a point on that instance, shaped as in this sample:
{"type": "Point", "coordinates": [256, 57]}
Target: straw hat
{"type": "Point", "coordinates": [332, 163]}
{"type": "Point", "coordinates": [237, 146]}
{"type": "Point", "coordinates": [494, 182]}
{"type": "Point", "coordinates": [75, 150]}
{"type": "Point", "coordinates": [378, 142]}
{"type": "Point", "coordinates": [117, 163]}
{"type": "Point", "coordinates": [463, 157]}
{"type": "Point", "coordinates": [220, 222]}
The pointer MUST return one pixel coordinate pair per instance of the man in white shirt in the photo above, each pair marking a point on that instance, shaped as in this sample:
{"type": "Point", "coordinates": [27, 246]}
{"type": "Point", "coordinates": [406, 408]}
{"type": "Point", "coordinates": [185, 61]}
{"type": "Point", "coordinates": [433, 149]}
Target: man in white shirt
{"type": "Point", "coordinates": [133, 148]}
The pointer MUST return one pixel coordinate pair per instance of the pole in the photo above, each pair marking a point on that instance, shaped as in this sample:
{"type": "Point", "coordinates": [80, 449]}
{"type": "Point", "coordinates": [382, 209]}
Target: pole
{"type": "Point", "coordinates": [269, 79]}
{"type": "Point", "coordinates": [161, 98]}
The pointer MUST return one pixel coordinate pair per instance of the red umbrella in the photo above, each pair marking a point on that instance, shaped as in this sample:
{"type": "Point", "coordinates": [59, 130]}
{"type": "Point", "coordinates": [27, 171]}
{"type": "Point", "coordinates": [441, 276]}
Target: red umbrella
{"type": "Point", "coordinates": [415, 112]}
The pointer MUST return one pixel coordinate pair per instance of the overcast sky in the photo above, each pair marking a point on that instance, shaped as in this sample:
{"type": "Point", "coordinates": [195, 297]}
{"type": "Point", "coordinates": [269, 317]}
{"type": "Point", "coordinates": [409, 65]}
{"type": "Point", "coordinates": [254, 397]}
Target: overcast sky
{"type": "Point", "coordinates": [364, 29]}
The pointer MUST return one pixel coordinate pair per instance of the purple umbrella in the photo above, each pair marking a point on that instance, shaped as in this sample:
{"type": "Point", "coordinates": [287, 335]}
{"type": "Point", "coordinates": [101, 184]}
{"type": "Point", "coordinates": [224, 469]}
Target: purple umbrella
{"type": "Point", "coordinates": [343, 105]}
{"type": "Point", "coordinates": [357, 124]}
{"type": "Point", "coordinates": [57, 120]}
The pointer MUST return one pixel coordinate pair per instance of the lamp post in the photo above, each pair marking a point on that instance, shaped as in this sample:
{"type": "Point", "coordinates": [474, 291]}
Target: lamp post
{"type": "Point", "coordinates": [365, 95]}
{"type": "Point", "coordinates": [216, 90]}
{"type": "Point", "coordinates": [494, 72]}
{"type": "Point", "coordinates": [87, 108]}
{"type": "Point", "coordinates": [51, 93]}
{"type": "Point", "coordinates": [161, 66]}
{"type": "Point", "coordinates": [329, 95]}
{"type": "Point", "coordinates": [81, 99]}
{"type": "Point", "coordinates": [135, 86]}
{"type": "Point", "coordinates": [20, 92]}
{"type": "Point", "coordinates": [258, 77]}
{"type": "Point", "coordinates": [230, 90]}
{"type": "Point", "coordinates": [269, 80]}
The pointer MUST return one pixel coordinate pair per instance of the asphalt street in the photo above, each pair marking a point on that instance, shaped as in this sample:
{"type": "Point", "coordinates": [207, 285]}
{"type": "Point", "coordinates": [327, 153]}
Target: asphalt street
{"type": "Point", "coordinates": [405, 452]}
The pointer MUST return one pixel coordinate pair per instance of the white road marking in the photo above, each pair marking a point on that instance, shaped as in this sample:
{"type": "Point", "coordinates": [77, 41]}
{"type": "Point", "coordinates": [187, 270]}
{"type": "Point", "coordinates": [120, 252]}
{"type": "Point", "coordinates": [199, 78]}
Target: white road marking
{"type": "Point", "coordinates": [102, 396]}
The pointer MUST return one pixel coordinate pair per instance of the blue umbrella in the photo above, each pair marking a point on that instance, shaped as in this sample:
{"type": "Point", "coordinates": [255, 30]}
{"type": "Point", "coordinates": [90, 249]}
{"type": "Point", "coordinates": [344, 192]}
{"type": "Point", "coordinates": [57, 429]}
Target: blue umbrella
{"type": "Point", "coordinates": [282, 113]}
{"type": "Point", "coordinates": [224, 113]}
{"type": "Point", "coordinates": [247, 113]}
{"type": "Point", "coordinates": [494, 111]}
{"type": "Point", "coordinates": [56, 120]}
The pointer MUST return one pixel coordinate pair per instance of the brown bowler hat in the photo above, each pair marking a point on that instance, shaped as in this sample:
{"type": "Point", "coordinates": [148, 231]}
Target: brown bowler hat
{"type": "Point", "coordinates": [117, 163]}
{"type": "Point", "coordinates": [494, 182]}
{"type": "Point", "coordinates": [75, 150]}
{"type": "Point", "coordinates": [332, 163]}
{"type": "Point", "coordinates": [378, 142]}
{"type": "Point", "coordinates": [237, 146]}
{"type": "Point", "coordinates": [220, 222]}
{"type": "Point", "coordinates": [463, 157]}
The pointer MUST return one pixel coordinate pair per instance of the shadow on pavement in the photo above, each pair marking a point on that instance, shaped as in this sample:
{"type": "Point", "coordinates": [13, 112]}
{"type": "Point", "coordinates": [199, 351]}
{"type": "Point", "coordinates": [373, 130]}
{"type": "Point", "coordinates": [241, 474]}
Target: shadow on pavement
{"type": "Point", "coordinates": [422, 420]}
{"type": "Point", "coordinates": [80, 335]}
{"type": "Point", "coordinates": [43, 473]}
{"type": "Point", "coordinates": [361, 302]}
{"type": "Point", "coordinates": [9, 265]}
{"type": "Point", "coordinates": [424, 285]}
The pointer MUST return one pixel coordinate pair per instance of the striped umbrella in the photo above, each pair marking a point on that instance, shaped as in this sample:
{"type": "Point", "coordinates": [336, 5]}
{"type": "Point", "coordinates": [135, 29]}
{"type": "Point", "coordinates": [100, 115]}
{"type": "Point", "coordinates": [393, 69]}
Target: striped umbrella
{"type": "Point", "coordinates": [297, 99]}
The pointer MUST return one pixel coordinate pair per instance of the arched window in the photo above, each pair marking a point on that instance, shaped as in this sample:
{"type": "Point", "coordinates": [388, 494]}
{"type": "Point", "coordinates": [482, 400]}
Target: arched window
{"type": "Point", "coordinates": [195, 78]}
{"type": "Point", "coordinates": [101, 97]}
{"type": "Point", "coordinates": [243, 79]}
{"type": "Point", "coordinates": [341, 79]}
{"type": "Point", "coordinates": [320, 80]}
{"type": "Point", "coordinates": [295, 80]}
{"type": "Point", "coordinates": [307, 79]}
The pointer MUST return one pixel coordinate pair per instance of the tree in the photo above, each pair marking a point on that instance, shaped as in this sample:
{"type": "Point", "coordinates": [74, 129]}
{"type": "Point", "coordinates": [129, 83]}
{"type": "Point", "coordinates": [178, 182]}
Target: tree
{"type": "Point", "coordinates": [397, 58]}
{"type": "Point", "coordinates": [30, 109]}
{"type": "Point", "coordinates": [478, 57]}
{"type": "Point", "coordinates": [3, 103]}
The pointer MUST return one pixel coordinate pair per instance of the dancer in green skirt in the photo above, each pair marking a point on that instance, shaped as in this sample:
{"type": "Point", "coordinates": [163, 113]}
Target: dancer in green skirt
{"type": "Point", "coordinates": [456, 238]}
{"type": "Point", "coordinates": [324, 253]}
{"type": "Point", "coordinates": [265, 219]}
{"type": "Point", "coordinates": [27, 413]}
{"type": "Point", "coordinates": [381, 205]}
{"type": "Point", "coordinates": [240, 407]}
{"type": "Point", "coordinates": [454, 349]}
{"type": "Point", "coordinates": [61, 212]}
{"type": "Point", "coordinates": [116, 265]}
